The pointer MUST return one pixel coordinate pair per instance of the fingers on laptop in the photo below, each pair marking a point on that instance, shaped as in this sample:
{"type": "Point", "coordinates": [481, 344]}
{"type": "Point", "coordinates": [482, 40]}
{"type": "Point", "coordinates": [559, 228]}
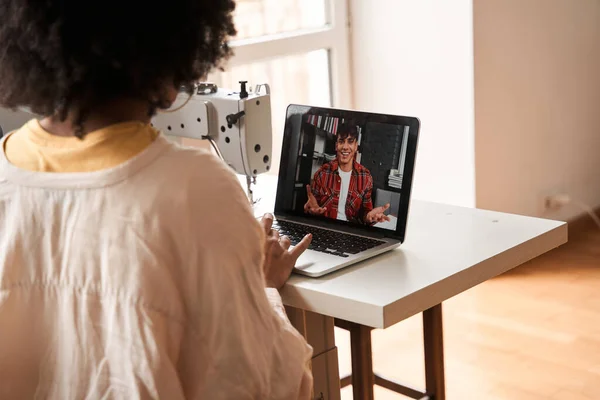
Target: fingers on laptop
{"type": "Point", "coordinates": [267, 222]}
{"type": "Point", "coordinates": [285, 242]}
{"type": "Point", "coordinates": [301, 246]}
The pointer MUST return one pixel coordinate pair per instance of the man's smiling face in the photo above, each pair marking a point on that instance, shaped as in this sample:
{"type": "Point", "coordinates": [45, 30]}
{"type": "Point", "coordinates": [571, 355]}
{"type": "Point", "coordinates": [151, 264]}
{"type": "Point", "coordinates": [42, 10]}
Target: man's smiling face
{"type": "Point", "coordinates": [346, 147]}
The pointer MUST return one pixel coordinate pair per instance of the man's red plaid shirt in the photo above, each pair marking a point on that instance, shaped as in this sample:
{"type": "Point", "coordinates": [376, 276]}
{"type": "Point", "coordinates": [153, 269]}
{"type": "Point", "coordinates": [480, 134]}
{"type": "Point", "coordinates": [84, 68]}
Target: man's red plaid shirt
{"type": "Point", "coordinates": [326, 185]}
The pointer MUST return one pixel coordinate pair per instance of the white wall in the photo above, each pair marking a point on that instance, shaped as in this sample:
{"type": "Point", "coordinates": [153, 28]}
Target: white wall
{"type": "Point", "coordinates": [415, 57]}
{"type": "Point", "coordinates": [537, 92]}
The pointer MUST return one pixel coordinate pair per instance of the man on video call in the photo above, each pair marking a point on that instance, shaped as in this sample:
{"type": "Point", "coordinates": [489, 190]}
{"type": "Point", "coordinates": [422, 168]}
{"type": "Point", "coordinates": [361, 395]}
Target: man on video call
{"type": "Point", "coordinates": [342, 189]}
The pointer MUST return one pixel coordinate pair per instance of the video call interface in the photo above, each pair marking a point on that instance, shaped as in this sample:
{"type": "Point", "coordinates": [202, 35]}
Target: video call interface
{"type": "Point", "coordinates": [345, 169]}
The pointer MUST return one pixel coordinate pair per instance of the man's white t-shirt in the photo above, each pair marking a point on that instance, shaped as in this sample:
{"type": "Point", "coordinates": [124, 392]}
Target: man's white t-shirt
{"type": "Point", "coordinates": [142, 281]}
{"type": "Point", "coordinates": [345, 178]}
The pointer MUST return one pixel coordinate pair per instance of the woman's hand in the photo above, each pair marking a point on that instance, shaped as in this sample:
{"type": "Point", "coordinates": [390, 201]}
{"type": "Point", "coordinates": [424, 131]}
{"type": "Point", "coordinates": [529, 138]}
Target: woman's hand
{"type": "Point", "coordinates": [279, 258]}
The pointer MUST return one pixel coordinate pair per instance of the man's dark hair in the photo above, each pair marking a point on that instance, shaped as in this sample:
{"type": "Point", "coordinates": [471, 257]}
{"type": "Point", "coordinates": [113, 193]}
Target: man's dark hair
{"type": "Point", "coordinates": [347, 129]}
{"type": "Point", "coordinates": [60, 56]}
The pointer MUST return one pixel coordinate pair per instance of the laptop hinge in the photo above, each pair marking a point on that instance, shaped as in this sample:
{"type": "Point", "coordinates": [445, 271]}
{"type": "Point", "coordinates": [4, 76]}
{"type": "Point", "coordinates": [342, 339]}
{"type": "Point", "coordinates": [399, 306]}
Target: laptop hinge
{"type": "Point", "coordinates": [333, 225]}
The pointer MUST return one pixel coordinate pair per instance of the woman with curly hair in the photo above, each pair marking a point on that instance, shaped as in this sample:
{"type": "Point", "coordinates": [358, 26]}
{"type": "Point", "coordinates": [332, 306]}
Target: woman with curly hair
{"type": "Point", "coordinates": [130, 267]}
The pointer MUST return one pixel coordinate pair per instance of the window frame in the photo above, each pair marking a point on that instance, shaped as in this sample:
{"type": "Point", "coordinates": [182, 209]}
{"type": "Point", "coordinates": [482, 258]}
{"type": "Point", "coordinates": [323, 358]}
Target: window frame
{"type": "Point", "coordinates": [334, 37]}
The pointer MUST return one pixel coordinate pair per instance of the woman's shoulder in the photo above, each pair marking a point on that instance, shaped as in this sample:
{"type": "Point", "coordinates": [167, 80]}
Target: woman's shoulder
{"type": "Point", "coordinates": [185, 165]}
{"type": "Point", "coordinates": [203, 182]}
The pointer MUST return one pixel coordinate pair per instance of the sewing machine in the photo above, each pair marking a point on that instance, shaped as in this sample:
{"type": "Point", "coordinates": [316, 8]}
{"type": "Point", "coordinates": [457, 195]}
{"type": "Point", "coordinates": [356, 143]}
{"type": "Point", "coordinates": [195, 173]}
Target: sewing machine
{"type": "Point", "coordinates": [237, 124]}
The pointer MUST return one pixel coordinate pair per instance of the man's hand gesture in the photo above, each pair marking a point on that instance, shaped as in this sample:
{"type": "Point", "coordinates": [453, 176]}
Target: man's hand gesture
{"type": "Point", "coordinates": [311, 206]}
{"type": "Point", "coordinates": [377, 215]}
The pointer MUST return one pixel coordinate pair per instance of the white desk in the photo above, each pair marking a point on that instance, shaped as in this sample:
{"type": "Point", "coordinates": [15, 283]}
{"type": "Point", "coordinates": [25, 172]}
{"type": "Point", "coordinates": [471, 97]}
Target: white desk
{"type": "Point", "coordinates": [447, 250]}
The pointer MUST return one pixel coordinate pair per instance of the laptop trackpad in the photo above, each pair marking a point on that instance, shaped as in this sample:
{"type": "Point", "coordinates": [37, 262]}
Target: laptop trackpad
{"type": "Point", "coordinates": [312, 258]}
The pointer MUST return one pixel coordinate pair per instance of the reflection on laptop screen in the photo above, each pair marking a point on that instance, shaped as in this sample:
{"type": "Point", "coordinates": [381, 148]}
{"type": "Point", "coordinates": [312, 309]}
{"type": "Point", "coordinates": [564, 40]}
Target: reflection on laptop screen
{"type": "Point", "coordinates": [344, 166]}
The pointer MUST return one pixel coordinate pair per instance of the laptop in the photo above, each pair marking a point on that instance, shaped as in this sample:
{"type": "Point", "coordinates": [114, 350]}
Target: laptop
{"type": "Point", "coordinates": [345, 177]}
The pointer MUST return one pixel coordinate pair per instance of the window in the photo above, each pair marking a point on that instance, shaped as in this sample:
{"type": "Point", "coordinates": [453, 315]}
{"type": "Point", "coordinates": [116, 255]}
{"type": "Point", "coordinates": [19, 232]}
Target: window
{"type": "Point", "coordinates": [255, 18]}
{"type": "Point", "coordinates": [298, 47]}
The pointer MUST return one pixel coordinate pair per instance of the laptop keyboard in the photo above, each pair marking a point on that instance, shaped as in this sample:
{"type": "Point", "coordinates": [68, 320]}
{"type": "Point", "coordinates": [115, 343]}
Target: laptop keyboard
{"type": "Point", "coordinates": [326, 241]}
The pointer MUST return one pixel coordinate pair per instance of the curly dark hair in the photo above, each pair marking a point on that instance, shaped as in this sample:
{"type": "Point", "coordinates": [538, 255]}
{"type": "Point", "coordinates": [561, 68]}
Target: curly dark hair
{"type": "Point", "coordinates": [347, 129]}
{"type": "Point", "coordinates": [63, 56]}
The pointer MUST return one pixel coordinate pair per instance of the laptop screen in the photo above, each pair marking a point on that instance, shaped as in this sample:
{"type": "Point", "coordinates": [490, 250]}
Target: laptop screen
{"type": "Point", "coordinates": [351, 167]}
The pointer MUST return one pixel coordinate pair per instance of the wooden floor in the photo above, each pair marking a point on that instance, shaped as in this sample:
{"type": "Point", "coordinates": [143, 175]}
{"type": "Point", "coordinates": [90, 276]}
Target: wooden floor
{"type": "Point", "coordinates": [531, 334]}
